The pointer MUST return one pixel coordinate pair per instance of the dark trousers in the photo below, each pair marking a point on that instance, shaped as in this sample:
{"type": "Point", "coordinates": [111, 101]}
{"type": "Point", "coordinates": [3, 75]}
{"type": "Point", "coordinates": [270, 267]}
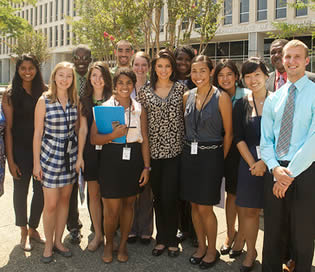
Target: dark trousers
{"type": "Point", "coordinates": [164, 183]}
{"type": "Point", "coordinates": [294, 213]}
{"type": "Point", "coordinates": [20, 192]}
{"type": "Point", "coordinates": [74, 222]}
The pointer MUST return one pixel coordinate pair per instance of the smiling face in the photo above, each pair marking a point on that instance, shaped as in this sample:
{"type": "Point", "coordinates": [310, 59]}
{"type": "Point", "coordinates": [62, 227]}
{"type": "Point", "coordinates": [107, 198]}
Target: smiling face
{"type": "Point", "coordinates": [123, 54]}
{"type": "Point", "coordinates": [200, 74]}
{"type": "Point", "coordinates": [81, 60]}
{"type": "Point", "coordinates": [97, 80]}
{"type": "Point", "coordinates": [124, 86]}
{"type": "Point", "coordinates": [64, 78]}
{"type": "Point", "coordinates": [183, 63]}
{"type": "Point", "coordinates": [227, 79]}
{"type": "Point", "coordinates": [295, 62]}
{"type": "Point", "coordinates": [163, 69]}
{"type": "Point", "coordinates": [256, 81]}
{"type": "Point", "coordinates": [276, 56]}
{"type": "Point", "coordinates": [140, 67]}
{"type": "Point", "coordinates": [27, 71]}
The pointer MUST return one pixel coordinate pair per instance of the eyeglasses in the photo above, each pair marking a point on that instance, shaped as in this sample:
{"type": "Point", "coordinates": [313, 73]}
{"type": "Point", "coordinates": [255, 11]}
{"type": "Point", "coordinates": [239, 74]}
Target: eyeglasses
{"type": "Point", "coordinates": [84, 58]}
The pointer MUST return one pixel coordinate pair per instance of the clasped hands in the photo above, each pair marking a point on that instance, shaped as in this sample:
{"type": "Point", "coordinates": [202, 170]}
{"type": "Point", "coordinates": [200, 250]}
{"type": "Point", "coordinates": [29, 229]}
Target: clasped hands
{"type": "Point", "coordinates": [258, 168]}
{"type": "Point", "coordinates": [283, 181]}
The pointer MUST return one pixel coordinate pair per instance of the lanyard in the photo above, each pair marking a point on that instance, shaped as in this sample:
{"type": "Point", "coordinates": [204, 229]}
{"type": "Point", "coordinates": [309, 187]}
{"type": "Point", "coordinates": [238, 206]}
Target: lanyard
{"type": "Point", "coordinates": [66, 116]}
{"type": "Point", "coordinates": [197, 122]}
{"type": "Point", "coordinates": [255, 103]}
{"type": "Point", "coordinates": [129, 114]}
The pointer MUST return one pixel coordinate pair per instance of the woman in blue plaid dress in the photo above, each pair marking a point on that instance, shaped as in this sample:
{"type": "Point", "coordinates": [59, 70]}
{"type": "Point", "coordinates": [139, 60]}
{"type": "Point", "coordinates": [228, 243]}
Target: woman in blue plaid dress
{"type": "Point", "coordinates": [55, 153]}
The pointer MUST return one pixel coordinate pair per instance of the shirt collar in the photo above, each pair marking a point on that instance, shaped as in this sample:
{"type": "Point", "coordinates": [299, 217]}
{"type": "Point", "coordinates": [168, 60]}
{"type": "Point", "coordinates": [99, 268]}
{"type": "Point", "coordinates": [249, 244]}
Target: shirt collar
{"type": "Point", "coordinates": [284, 75]}
{"type": "Point", "coordinates": [300, 83]}
{"type": "Point", "coordinates": [79, 76]}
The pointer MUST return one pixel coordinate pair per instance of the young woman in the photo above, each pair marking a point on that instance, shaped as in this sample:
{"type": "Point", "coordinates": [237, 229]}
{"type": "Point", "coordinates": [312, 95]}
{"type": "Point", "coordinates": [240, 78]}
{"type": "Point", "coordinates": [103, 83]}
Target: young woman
{"type": "Point", "coordinates": [99, 89]}
{"type": "Point", "coordinates": [208, 112]}
{"type": "Point", "coordinates": [18, 105]}
{"type": "Point", "coordinates": [55, 154]}
{"type": "Point", "coordinates": [246, 125]}
{"type": "Point", "coordinates": [142, 226]}
{"type": "Point", "coordinates": [226, 77]}
{"type": "Point", "coordinates": [120, 175]}
{"type": "Point", "coordinates": [163, 101]}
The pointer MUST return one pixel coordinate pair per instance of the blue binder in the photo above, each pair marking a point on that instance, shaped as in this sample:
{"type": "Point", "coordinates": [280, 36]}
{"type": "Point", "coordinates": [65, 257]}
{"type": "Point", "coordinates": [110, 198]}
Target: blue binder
{"type": "Point", "coordinates": [104, 116]}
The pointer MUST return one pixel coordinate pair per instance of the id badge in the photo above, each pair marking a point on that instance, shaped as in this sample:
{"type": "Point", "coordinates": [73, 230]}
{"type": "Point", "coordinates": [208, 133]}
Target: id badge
{"type": "Point", "coordinates": [194, 148]}
{"type": "Point", "coordinates": [69, 147]}
{"type": "Point", "coordinates": [258, 152]}
{"type": "Point", "coordinates": [126, 153]}
{"type": "Point", "coordinates": [98, 147]}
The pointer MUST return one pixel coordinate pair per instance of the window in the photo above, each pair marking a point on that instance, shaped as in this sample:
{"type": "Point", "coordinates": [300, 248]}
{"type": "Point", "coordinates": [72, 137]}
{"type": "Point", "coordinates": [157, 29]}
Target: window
{"type": "Point", "coordinates": [227, 12]}
{"type": "Point", "coordinates": [281, 9]}
{"type": "Point", "coordinates": [74, 8]}
{"type": "Point", "coordinates": [56, 10]}
{"type": "Point", "coordinates": [162, 20]}
{"type": "Point", "coordinates": [61, 35]}
{"type": "Point", "coordinates": [35, 22]}
{"type": "Point", "coordinates": [27, 15]}
{"type": "Point", "coordinates": [68, 8]}
{"type": "Point", "coordinates": [31, 15]}
{"type": "Point", "coordinates": [244, 11]}
{"type": "Point", "coordinates": [46, 13]}
{"type": "Point", "coordinates": [68, 35]}
{"type": "Point", "coordinates": [261, 10]}
{"type": "Point", "coordinates": [50, 11]}
{"type": "Point", "coordinates": [62, 9]}
{"type": "Point", "coordinates": [23, 14]}
{"type": "Point", "coordinates": [56, 36]}
{"type": "Point", "coordinates": [50, 36]}
{"type": "Point", "coordinates": [40, 14]}
{"type": "Point", "coordinates": [301, 11]}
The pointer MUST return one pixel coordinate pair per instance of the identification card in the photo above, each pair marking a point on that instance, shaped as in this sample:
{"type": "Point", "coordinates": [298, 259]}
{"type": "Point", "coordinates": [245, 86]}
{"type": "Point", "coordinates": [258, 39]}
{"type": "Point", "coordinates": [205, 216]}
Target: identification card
{"type": "Point", "coordinates": [98, 147]}
{"type": "Point", "coordinates": [69, 147]}
{"type": "Point", "coordinates": [126, 153]}
{"type": "Point", "coordinates": [258, 152]}
{"type": "Point", "coordinates": [194, 148]}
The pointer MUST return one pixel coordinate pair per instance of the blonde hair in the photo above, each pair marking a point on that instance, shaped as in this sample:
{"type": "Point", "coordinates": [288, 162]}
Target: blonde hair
{"type": "Point", "coordinates": [72, 90]}
{"type": "Point", "coordinates": [296, 43]}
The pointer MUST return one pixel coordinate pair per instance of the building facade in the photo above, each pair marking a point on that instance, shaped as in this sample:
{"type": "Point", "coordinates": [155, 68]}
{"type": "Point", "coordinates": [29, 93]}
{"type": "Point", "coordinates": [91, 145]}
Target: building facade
{"type": "Point", "coordinates": [242, 33]}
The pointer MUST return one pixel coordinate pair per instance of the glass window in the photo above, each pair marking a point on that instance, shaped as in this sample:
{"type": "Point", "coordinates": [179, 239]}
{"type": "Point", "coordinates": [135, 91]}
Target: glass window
{"type": "Point", "coordinates": [228, 12]}
{"type": "Point", "coordinates": [68, 8]}
{"type": "Point", "coordinates": [46, 13]}
{"type": "Point", "coordinates": [40, 14]}
{"type": "Point", "coordinates": [162, 20]}
{"type": "Point", "coordinates": [56, 10]}
{"type": "Point", "coordinates": [50, 11]}
{"type": "Point", "coordinates": [68, 35]}
{"type": "Point", "coordinates": [244, 11]}
{"type": "Point", "coordinates": [31, 16]}
{"type": "Point", "coordinates": [22, 13]}
{"type": "Point", "coordinates": [62, 9]}
{"type": "Point", "coordinates": [56, 36]}
{"type": "Point", "coordinates": [35, 18]}
{"type": "Point", "coordinates": [61, 35]}
{"type": "Point", "coordinates": [301, 11]}
{"type": "Point", "coordinates": [223, 49]}
{"type": "Point", "coordinates": [236, 48]}
{"type": "Point", "coordinates": [261, 10]}
{"type": "Point", "coordinates": [50, 36]}
{"type": "Point", "coordinates": [281, 9]}
{"type": "Point", "coordinates": [27, 15]}
{"type": "Point", "coordinates": [74, 8]}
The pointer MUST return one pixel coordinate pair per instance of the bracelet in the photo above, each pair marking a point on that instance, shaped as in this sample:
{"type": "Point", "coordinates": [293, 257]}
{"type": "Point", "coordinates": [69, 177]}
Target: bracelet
{"type": "Point", "coordinates": [147, 168]}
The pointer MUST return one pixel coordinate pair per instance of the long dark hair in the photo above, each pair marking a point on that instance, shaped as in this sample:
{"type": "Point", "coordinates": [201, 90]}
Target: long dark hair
{"type": "Point", "coordinates": [87, 99]}
{"type": "Point", "coordinates": [166, 54]}
{"type": "Point", "coordinates": [38, 86]}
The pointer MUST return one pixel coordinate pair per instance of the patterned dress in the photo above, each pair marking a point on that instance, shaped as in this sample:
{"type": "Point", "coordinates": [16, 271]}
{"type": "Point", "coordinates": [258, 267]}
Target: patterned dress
{"type": "Point", "coordinates": [59, 145]}
{"type": "Point", "coordinates": [2, 151]}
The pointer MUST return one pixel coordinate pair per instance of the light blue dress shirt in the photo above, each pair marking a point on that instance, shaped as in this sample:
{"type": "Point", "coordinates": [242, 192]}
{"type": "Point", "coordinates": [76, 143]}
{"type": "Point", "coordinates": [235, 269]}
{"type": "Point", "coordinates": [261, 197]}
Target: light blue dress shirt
{"type": "Point", "coordinates": [302, 146]}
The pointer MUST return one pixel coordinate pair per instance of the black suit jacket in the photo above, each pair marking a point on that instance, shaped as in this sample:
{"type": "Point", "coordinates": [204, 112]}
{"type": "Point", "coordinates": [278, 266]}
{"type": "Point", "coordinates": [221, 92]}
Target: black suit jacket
{"type": "Point", "coordinates": [270, 83]}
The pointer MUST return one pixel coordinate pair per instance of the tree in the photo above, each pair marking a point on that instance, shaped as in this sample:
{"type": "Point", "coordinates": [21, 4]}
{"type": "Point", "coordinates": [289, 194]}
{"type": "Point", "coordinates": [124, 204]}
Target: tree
{"type": "Point", "coordinates": [10, 24]}
{"type": "Point", "coordinates": [286, 30]}
{"type": "Point", "coordinates": [33, 43]}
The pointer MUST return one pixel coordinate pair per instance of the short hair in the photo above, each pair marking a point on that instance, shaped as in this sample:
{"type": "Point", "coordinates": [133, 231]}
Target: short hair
{"type": "Point", "coordinates": [205, 59]}
{"type": "Point", "coordinates": [282, 42]}
{"type": "Point", "coordinates": [187, 49]}
{"type": "Point", "coordinates": [296, 43]}
{"type": "Point", "coordinates": [225, 63]}
{"type": "Point", "coordinates": [127, 72]}
{"type": "Point", "coordinates": [252, 64]}
{"type": "Point", "coordinates": [142, 55]}
{"type": "Point", "coordinates": [81, 46]}
{"type": "Point", "coordinates": [163, 54]}
{"type": "Point", "coordinates": [124, 41]}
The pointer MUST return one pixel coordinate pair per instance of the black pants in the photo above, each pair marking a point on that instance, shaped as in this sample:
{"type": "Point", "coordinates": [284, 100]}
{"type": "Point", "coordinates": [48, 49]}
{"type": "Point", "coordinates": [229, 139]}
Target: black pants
{"type": "Point", "coordinates": [296, 210]}
{"type": "Point", "coordinates": [74, 222]}
{"type": "Point", "coordinates": [164, 183]}
{"type": "Point", "coordinates": [20, 192]}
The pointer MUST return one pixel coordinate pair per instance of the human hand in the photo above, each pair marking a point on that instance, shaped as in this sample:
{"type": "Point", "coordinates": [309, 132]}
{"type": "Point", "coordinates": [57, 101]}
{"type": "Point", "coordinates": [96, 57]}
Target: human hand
{"type": "Point", "coordinates": [282, 175]}
{"type": "Point", "coordinates": [144, 178]}
{"type": "Point", "coordinates": [119, 131]}
{"type": "Point", "coordinates": [79, 165]}
{"type": "Point", "coordinates": [14, 170]}
{"type": "Point", "coordinates": [279, 189]}
{"type": "Point", "coordinates": [258, 168]}
{"type": "Point", "coordinates": [37, 172]}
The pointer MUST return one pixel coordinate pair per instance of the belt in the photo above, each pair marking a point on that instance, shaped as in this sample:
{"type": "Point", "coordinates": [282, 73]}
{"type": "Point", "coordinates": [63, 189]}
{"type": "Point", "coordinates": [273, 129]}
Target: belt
{"type": "Point", "coordinates": [284, 163]}
{"type": "Point", "coordinates": [49, 136]}
{"type": "Point", "coordinates": [205, 147]}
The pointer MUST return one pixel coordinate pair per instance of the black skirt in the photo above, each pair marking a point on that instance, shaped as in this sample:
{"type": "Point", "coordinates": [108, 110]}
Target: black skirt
{"type": "Point", "coordinates": [119, 178]}
{"type": "Point", "coordinates": [201, 175]}
{"type": "Point", "coordinates": [231, 163]}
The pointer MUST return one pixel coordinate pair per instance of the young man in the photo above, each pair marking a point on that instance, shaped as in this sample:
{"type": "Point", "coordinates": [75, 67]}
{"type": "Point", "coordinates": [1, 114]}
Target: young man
{"type": "Point", "coordinates": [81, 57]}
{"type": "Point", "coordinates": [123, 53]}
{"type": "Point", "coordinates": [287, 147]}
{"type": "Point", "coordinates": [279, 76]}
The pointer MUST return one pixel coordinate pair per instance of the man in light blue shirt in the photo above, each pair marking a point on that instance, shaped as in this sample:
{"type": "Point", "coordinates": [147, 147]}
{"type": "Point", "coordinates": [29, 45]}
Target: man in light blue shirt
{"type": "Point", "coordinates": [290, 157]}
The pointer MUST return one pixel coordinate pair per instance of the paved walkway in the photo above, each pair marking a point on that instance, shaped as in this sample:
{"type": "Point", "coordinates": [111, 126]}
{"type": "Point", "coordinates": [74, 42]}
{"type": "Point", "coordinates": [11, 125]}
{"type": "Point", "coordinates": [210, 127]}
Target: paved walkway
{"type": "Point", "coordinates": [12, 258]}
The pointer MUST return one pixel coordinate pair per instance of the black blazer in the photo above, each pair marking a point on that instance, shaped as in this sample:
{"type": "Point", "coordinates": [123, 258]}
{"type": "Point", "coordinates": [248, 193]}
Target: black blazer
{"type": "Point", "coordinates": [270, 83]}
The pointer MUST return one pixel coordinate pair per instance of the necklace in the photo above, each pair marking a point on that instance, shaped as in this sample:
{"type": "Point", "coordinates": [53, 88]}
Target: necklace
{"type": "Point", "coordinates": [98, 102]}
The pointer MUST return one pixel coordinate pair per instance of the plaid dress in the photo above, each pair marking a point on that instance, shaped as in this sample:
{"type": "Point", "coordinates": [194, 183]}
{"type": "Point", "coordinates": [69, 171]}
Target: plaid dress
{"type": "Point", "coordinates": [59, 145]}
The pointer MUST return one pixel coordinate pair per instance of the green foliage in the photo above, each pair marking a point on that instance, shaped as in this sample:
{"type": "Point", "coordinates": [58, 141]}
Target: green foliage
{"type": "Point", "coordinates": [33, 43]}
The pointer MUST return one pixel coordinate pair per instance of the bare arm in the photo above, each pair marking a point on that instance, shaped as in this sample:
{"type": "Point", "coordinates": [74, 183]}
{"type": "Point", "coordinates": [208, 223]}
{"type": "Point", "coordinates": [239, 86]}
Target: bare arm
{"type": "Point", "coordinates": [8, 113]}
{"type": "Point", "coordinates": [39, 117]}
{"type": "Point", "coordinates": [101, 139]}
{"type": "Point", "coordinates": [144, 148]}
{"type": "Point", "coordinates": [185, 97]}
{"type": "Point", "coordinates": [225, 107]}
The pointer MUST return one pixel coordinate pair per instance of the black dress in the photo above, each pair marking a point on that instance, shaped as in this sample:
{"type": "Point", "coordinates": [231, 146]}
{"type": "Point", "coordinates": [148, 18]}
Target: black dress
{"type": "Point", "coordinates": [246, 128]}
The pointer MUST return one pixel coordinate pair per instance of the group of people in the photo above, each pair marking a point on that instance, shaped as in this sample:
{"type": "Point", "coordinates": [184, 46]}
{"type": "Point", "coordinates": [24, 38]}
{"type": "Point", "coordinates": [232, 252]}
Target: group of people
{"type": "Point", "coordinates": [187, 125]}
